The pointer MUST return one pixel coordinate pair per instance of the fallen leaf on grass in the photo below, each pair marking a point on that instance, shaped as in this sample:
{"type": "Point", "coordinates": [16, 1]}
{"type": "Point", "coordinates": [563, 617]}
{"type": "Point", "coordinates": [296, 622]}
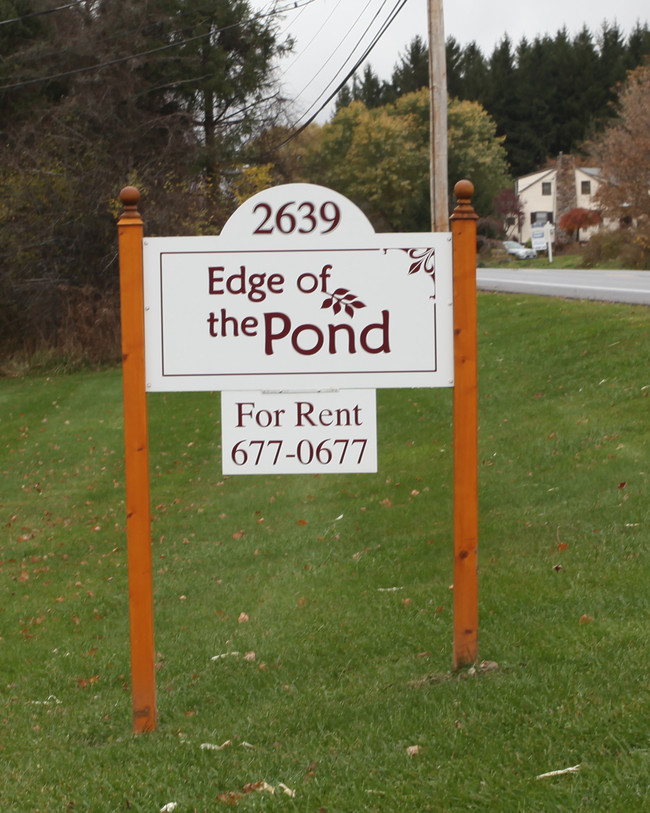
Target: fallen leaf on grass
{"type": "Point", "coordinates": [484, 666]}
{"type": "Point", "coordinates": [243, 617]}
{"type": "Point", "coordinates": [249, 656]}
{"type": "Point", "coordinates": [259, 787]}
{"type": "Point", "coordinates": [413, 750]}
{"type": "Point", "coordinates": [229, 798]}
{"type": "Point", "coordinates": [463, 674]}
{"type": "Point", "coordinates": [51, 700]}
{"type": "Point", "coordinates": [169, 807]}
{"type": "Point", "coordinates": [585, 619]}
{"type": "Point", "coordinates": [572, 769]}
{"type": "Point", "coordinates": [232, 797]}
{"type": "Point", "coordinates": [209, 746]}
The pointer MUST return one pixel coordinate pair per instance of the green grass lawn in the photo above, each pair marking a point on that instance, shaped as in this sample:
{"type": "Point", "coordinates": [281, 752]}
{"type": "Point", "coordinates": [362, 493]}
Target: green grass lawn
{"type": "Point", "coordinates": [567, 262]}
{"type": "Point", "coordinates": [304, 623]}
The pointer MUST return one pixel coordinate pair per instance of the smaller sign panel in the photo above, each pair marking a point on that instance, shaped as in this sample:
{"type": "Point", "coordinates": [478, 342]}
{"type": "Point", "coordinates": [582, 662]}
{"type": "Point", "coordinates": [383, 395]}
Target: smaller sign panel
{"type": "Point", "coordinates": [538, 239]}
{"type": "Point", "coordinates": [298, 432]}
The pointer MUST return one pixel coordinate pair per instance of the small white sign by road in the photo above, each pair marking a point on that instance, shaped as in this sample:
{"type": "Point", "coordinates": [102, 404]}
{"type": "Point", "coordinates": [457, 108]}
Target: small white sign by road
{"type": "Point", "coordinates": [298, 432]}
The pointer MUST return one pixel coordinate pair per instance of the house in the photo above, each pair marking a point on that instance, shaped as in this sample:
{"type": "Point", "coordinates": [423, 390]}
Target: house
{"type": "Point", "coordinates": [547, 194]}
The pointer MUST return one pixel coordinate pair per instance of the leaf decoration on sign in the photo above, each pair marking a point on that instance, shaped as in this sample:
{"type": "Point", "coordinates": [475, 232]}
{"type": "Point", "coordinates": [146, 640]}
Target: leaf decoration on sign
{"type": "Point", "coordinates": [422, 259]}
{"type": "Point", "coordinates": [342, 300]}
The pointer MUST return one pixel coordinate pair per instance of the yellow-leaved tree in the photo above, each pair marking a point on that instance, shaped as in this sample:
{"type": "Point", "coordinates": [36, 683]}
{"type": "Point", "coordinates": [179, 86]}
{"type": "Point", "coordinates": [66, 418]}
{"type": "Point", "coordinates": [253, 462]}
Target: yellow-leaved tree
{"type": "Point", "coordinates": [379, 158]}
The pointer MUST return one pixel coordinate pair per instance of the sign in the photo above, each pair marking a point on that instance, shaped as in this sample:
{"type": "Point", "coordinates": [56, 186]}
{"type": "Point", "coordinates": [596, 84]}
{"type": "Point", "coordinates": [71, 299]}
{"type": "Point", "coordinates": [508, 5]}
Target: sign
{"type": "Point", "coordinates": [289, 433]}
{"type": "Point", "coordinates": [538, 239]}
{"type": "Point", "coordinates": [298, 292]}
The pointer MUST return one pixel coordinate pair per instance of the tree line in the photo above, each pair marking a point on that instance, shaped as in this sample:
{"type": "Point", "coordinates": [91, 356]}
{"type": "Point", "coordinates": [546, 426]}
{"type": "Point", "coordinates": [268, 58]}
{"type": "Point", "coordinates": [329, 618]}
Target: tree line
{"type": "Point", "coordinates": [547, 95]}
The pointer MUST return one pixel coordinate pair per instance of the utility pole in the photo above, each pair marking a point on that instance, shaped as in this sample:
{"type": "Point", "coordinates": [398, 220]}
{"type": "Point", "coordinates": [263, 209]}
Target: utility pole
{"type": "Point", "coordinates": [438, 118]}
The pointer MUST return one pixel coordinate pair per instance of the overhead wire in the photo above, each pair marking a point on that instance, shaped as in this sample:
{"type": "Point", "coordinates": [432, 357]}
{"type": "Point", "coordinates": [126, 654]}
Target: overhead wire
{"type": "Point", "coordinates": [297, 4]}
{"type": "Point", "coordinates": [41, 13]}
{"type": "Point", "coordinates": [322, 26]}
{"type": "Point", "coordinates": [299, 128]}
{"type": "Point", "coordinates": [340, 44]}
{"type": "Point", "coordinates": [275, 10]}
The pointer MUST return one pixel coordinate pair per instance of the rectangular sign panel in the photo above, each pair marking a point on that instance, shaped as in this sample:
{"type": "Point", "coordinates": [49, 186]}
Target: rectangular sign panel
{"type": "Point", "coordinates": [298, 432]}
{"type": "Point", "coordinates": [298, 292]}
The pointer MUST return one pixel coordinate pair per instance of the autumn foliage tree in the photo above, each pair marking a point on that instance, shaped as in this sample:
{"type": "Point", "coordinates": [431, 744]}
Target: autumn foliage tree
{"type": "Point", "coordinates": [623, 151]}
{"type": "Point", "coordinates": [379, 158]}
{"type": "Point", "coordinates": [509, 209]}
{"type": "Point", "coordinates": [578, 218]}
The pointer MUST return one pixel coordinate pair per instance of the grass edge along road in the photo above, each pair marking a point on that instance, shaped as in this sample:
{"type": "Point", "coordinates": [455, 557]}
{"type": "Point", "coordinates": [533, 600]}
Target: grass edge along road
{"type": "Point", "coordinates": [303, 623]}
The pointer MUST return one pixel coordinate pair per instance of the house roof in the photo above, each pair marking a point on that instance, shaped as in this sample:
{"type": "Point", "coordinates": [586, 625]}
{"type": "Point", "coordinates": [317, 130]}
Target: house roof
{"type": "Point", "coordinates": [533, 178]}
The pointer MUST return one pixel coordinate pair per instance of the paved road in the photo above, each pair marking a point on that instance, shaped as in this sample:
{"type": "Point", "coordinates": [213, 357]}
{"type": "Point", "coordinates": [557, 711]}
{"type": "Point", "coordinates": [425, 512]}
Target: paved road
{"type": "Point", "coordinates": [610, 286]}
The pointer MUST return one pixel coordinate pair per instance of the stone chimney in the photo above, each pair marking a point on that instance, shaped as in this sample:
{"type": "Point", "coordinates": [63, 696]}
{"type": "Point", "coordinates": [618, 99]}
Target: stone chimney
{"type": "Point", "coordinates": [565, 192]}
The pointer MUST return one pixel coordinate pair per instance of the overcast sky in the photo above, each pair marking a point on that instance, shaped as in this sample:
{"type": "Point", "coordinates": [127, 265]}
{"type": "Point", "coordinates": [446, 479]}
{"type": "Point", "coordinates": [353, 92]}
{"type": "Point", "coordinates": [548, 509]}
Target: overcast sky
{"type": "Point", "coordinates": [331, 34]}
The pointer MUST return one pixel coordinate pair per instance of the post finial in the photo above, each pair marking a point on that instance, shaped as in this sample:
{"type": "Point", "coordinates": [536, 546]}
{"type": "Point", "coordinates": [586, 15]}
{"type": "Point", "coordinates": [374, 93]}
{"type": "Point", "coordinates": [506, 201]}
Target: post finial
{"type": "Point", "coordinates": [130, 197]}
{"type": "Point", "coordinates": [464, 191]}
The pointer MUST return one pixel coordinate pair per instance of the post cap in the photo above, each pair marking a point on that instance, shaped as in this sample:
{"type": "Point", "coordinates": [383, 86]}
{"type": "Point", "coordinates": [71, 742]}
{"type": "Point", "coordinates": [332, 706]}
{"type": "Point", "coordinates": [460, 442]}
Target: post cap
{"type": "Point", "coordinates": [464, 210]}
{"type": "Point", "coordinates": [464, 190]}
{"type": "Point", "coordinates": [130, 197]}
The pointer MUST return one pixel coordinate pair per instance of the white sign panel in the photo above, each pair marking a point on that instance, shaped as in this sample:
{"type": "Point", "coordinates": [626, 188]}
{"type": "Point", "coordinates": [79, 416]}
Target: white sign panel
{"type": "Point", "coordinates": [538, 239]}
{"type": "Point", "coordinates": [298, 292]}
{"type": "Point", "coordinates": [289, 433]}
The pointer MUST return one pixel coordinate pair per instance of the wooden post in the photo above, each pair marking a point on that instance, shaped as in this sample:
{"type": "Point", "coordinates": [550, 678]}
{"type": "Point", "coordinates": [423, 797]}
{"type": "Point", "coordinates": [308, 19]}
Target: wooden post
{"type": "Point", "coordinates": [463, 227]}
{"type": "Point", "coordinates": [136, 451]}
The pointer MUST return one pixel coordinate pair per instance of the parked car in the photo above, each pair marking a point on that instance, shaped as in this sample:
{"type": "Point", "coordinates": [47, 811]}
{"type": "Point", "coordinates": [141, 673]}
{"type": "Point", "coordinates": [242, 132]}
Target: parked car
{"type": "Point", "coordinates": [519, 251]}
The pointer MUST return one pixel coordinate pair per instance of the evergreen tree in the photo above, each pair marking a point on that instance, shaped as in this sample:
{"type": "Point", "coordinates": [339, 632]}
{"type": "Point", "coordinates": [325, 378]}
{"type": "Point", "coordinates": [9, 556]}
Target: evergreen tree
{"type": "Point", "coordinates": [474, 72]}
{"type": "Point", "coordinates": [454, 56]}
{"type": "Point", "coordinates": [526, 135]}
{"type": "Point", "coordinates": [370, 89]}
{"type": "Point", "coordinates": [412, 71]}
{"type": "Point", "coordinates": [638, 46]}
{"type": "Point", "coordinates": [613, 57]}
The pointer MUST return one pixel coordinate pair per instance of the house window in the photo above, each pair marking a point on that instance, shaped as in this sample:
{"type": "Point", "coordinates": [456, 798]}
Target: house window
{"type": "Point", "coordinates": [585, 187]}
{"type": "Point", "coordinates": [540, 218]}
{"type": "Point", "coordinates": [546, 187]}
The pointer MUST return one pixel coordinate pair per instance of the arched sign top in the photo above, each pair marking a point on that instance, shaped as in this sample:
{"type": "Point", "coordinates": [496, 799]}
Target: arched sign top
{"type": "Point", "coordinates": [306, 211]}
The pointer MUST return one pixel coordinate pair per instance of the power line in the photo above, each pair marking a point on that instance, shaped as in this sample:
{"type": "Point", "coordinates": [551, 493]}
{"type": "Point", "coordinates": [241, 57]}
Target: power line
{"type": "Point", "coordinates": [324, 23]}
{"type": "Point", "coordinates": [40, 13]}
{"type": "Point", "coordinates": [98, 66]}
{"type": "Point", "coordinates": [399, 5]}
{"type": "Point", "coordinates": [299, 129]}
{"type": "Point", "coordinates": [329, 58]}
